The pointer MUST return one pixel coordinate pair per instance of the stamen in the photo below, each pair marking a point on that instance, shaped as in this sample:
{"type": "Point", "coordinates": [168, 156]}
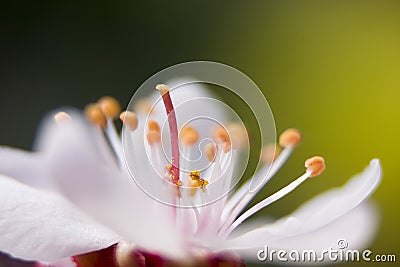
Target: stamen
{"type": "Point", "coordinates": [143, 105]}
{"type": "Point", "coordinates": [173, 127]}
{"type": "Point", "coordinates": [211, 151]}
{"type": "Point", "coordinates": [269, 153]}
{"type": "Point", "coordinates": [153, 137]}
{"type": "Point", "coordinates": [196, 181]}
{"type": "Point", "coordinates": [62, 117]}
{"type": "Point", "coordinates": [153, 126]}
{"type": "Point", "coordinates": [221, 136]}
{"type": "Point", "coordinates": [233, 137]}
{"type": "Point", "coordinates": [267, 201]}
{"type": "Point", "coordinates": [290, 137]}
{"type": "Point", "coordinates": [154, 134]}
{"type": "Point", "coordinates": [110, 107]}
{"type": "Point", "coordinates": [316, 165]}
{"type": "Point", "coordinates": [188, 135]}
{"type": "Point", "coordinates": [94, 114]}
{"type": "Point", "coordinates": [245, 193]}
{"type": "Point", "coordinates": [238, 135]}
{"type": "Point", "coordinates": [129, 119]}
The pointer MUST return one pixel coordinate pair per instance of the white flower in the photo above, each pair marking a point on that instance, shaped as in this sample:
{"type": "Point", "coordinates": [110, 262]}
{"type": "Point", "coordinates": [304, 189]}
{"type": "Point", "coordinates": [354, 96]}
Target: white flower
{"type": "Point", "coordinates": [75, 195]}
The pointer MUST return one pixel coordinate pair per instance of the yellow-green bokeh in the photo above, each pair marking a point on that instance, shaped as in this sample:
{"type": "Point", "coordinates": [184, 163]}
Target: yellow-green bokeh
{"type": "Point", "coordinates": [331, 69]}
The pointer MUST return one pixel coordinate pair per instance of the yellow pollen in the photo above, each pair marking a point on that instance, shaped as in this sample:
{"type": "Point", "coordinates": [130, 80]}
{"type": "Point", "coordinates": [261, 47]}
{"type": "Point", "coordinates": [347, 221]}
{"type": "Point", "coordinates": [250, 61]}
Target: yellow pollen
{"type": "Point", "coordinates": [188, 135]}
{"type": "Point", "coordinates": [290, 137]}
{"type": "Point", "coordinates": [62, 117]}
{"type": "Point", "coordinates": [153, 126]}
{"type": "Point", "coordinates": [269, 153]}
{"type": "Point", "coordinates": [168, 174]}
{"type": "Point", "coordinates": [110, 107]}
{"type": "Point", "coordinates": [196, 181]}
{"type": "Point", "coordinates": [162, 88]}
{"type": "Point", "coordinates": [153, 137]}
{"type": "Point", "coordinates": [316, 165]}
{"type": "Point", "coordinates": [129, 119]}
{"type": "Point", "coordinates": [143, 105]}
{"type": "Point", "coordinates": [94, 114]}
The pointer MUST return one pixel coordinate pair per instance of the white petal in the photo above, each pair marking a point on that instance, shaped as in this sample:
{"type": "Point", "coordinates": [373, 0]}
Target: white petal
{"type": "Point", "coordinates": [85, 170]}
{"type": "Point", "coordinates": [26, 167]}
{"type": "Point", "coordinates": [37, 225]}
{"type": "Point", "coordinates": [357, 229]}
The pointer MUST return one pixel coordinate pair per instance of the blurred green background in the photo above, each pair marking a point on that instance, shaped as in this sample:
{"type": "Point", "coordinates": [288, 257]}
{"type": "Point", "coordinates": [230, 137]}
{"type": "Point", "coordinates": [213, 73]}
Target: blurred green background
{"type": "Point", "coordinates": [329, 68]}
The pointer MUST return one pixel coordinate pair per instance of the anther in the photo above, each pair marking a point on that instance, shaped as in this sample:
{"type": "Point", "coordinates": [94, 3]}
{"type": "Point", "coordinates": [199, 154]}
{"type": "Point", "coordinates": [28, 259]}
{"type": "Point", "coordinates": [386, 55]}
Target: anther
{"type": "Point", "coordinates": [94, 114]}
{"type": "Point", "coordinates": [269, 153]}
{"type": "Point", "coordinates": [211, 151]}
{"type": "Point", "coordinates": [188, 135]}
{"type": "Point", "coordinates": [316, 165]}
{"type": "Point", "coordinates": [153, 137]}
{"type": "Point", "coordinates": [238, 135]}
{"type": "Point", "coordinates": [129, 119]}
{"type": "Point", "coordinates": [62, 117]}
{"type": "Point", "coordinates": [196, 181]}
{"type": "Point", "coordinates": [143, 105]}
{"type": "Point", "coordinates": [221, 136]}
{"type": "Point", "coordinates": [110, 107]}
{"type": "Point", "coordinates": [290, 137]}
{"type": "Point", "coordinates": [153, 126]}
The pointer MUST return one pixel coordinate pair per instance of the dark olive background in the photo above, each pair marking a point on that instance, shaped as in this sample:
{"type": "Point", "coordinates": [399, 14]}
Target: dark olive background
{"type": "Point", "coordinates": [330, 68]}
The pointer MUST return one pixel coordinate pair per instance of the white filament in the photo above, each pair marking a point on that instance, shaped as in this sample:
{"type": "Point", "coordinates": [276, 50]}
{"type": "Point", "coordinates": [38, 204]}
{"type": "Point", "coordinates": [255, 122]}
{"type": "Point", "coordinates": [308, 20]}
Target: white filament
{"type": "Point", "coordinates": [267, 201]}
{"type": "Point", "coordinates": [242, 197]}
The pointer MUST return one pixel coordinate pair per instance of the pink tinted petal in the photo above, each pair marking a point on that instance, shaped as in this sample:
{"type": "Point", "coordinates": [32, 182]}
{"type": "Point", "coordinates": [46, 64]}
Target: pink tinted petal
{"type": "Point", "coordinates": [37, 225]}
{"type": "Point", "coordinates": [26, 167]}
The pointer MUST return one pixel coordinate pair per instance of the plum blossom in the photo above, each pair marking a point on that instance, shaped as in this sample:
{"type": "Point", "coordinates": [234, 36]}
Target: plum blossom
{"type": "Point", "coordinates": [73, 202]}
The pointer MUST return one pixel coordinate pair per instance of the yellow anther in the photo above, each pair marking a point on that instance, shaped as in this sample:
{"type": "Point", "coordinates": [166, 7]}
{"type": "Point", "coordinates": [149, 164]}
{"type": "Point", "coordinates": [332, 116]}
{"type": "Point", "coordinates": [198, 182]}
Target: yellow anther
{"type": "Point", "coordinates": [129, 119]}
{"type": "Point", "coordinates": [162, 88]}
{"type": "Point", "coordinates": [62, 117]}
{"type": "Point", "coordinates": [316, 165]}
{"type": "Point", "coordinates": [188, 135]}
{"type": "Point", "coordinates": [153, 137]}
{"type": "Point", "coordinates": [211, 151]}
{"type": "Point", "coordinates": [94, 114]}
{"type": "Point", "coordinates": [290, 137]}
{"type": "Point", "coordinates": [110, 106]}
{"type": "Point", "coordinates": [221, 136]}
{"type": "Point", "coordinates": [196, 181]}
{"type": "Point", "coordinates": [143, 105]}
{"type": "Point", "coordinates": [234, 136]}
{"type": "Point", "coordinates": [195, 175]}
{"type": "Point", "coordinates": [238, 135]}
{"type": "Point", "coordinates": [269, 153]}
{"type": "Point", "coordinates": [153, 126]}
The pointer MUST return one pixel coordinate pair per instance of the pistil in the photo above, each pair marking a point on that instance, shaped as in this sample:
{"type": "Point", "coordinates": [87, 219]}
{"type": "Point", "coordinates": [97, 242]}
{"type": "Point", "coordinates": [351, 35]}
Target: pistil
{"type": "Point", "coordinates": [173, 128]}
